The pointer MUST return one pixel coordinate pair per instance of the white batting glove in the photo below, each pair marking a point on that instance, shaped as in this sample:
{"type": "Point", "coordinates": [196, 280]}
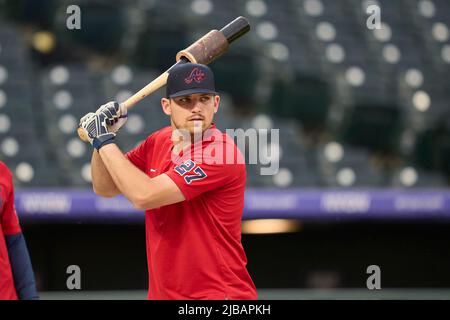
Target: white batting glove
{"type": "Point", "coordinates": [116, 115]}
{"type": "Point", "coordinates": [84, 121]}
{"type": "Point", "coordinates": [96, 129]}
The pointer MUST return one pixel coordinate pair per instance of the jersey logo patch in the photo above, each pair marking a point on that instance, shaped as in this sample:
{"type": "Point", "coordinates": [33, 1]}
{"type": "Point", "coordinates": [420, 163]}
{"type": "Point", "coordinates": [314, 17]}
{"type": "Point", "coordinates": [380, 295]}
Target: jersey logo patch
{"type": "Point", "coordinates": [186, 167]}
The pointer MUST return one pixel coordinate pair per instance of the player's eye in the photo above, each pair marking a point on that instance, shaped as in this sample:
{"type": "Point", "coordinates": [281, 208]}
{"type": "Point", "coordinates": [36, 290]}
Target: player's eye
{"type": "Point", "coordinates": [205, 99]}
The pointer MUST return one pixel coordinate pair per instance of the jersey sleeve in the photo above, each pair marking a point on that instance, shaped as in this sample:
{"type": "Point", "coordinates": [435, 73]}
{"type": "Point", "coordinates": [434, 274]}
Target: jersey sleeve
{"type": "Point", "coordinates": [138, 156]}
{"type": "Point", "coordinates": [8, 216]}
{"type": "Point", "coordinates": [194, 178]}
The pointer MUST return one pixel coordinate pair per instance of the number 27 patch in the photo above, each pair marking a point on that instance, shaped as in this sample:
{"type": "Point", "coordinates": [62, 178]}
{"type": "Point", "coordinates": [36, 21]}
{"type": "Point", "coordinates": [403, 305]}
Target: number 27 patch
{"type": "Point", "coordinates": [186, 167]}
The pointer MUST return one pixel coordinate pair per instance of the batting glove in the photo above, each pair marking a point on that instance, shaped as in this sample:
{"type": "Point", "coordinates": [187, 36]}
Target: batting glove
{"type": "Point", "coordinates": [116, 115]}
{"type": "Point", "coordinates": [96, 129]}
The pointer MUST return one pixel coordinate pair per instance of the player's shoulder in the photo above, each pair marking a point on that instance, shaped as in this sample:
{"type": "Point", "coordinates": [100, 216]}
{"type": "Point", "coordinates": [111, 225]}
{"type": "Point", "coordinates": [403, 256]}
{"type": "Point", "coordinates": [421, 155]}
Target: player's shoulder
{"type": "Point", "coordinates": [167, 130]}
{"type": "Point", "coordinates": [158, 136]}
{"type": "Point", "coordinates": [230, 146]}
{"type": "Point", "coordinates": [4, 170]}
{"type": "Point", "coordinates": [5, 174]}
{"type": "Point", "coordinates": [161, 134]}
{"type": "Point", "coordinates": [216, 136]}
{"type": "Point", "coordinates": [220, 150]}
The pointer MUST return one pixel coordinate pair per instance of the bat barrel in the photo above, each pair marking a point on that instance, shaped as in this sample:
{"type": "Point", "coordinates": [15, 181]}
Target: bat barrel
{"type": "Point", "coordinates": [235, 29]}
{"type": "Point", "coordinates": [214, 43]}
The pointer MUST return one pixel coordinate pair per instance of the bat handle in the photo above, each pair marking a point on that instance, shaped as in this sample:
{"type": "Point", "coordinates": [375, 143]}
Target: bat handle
{"type": "Point", "coordinates": [151, 87]}
{"type": "Point", "coordinates": [145, 91]}
{"type": "Point", "coordinates": [82, 134]}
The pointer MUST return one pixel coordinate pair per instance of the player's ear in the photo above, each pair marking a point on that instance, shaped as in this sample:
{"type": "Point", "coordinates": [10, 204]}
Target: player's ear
{"type": "Point", "coordinates": [216, 103]}
{"type": "Point", "coordinates": [165, 104]}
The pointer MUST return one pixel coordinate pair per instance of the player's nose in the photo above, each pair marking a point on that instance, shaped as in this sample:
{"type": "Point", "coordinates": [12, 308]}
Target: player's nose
{"type": "Point", "coordinates": [196, 108]}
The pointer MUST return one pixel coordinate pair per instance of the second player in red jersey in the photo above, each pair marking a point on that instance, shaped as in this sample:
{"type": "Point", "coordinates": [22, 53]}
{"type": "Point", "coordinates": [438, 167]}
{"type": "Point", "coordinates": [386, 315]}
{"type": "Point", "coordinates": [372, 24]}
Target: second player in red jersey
{"type": "Point", "coordinates": [16, 273]}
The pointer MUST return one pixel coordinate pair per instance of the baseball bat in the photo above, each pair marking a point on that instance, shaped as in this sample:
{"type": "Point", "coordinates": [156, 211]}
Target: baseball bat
{"type": "Point", "coordinates": [206, 49]}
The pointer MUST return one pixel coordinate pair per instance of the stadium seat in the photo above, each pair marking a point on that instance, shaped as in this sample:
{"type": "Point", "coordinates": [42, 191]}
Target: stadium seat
{"type": "Point", "coordinates": [93, 34]}
{"type": "Point", "coordinates": [345, 166]}
{"type": "Point", "coordinates": [157, 48]}
{"type": "Point", "coordinates": [432, 148]}
{"type": "Point", "coordinates": [232, 66]}
{"type": "Point", "coordinates": [410, 177]}
{"type": "Point", "coordinates": [304, 97]}
{"type": "Point", "coordinates": [373, 126]}
{"type": "Point", "coordinates": [31, 12]}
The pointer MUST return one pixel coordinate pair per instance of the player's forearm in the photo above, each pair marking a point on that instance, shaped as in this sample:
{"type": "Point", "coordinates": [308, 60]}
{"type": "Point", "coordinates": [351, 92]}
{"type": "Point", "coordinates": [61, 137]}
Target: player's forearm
{"type": "Point", "coordinates": [102, 182]}
{"type": "Point", "coordinates": [131, 182]}
{"type": "Point", "coordinates": [21, 267]}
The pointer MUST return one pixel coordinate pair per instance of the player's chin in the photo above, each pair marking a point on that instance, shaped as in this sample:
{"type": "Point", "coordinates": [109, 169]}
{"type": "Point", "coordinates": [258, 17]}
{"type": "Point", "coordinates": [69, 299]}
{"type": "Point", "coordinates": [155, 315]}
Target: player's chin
{"type": "Point", "coordinates": [196, 126]}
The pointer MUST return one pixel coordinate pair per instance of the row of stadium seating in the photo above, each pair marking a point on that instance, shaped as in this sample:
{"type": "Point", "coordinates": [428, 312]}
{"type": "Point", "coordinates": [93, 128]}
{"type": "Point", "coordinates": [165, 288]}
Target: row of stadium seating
{"type": "Point", "coordinates": [354, 106]}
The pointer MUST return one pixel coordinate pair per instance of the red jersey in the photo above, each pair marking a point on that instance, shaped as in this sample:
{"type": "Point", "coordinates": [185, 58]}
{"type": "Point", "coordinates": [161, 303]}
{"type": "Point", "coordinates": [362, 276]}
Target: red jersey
{"type": "Point", "coordinates": [194, 248]}
{"type": "Point", "coordinates": [9, 225]}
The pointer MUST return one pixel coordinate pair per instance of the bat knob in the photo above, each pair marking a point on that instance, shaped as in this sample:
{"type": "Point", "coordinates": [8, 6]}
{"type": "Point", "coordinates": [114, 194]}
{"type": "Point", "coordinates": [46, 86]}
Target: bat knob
{"type": "Point", "coordinates": [82, 134]}
{"type": "Point", "coordinates": [235, 29]}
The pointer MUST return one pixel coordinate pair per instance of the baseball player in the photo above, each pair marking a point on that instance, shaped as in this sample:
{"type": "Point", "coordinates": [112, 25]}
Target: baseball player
{"type": "Point", "coordinates": [193, 208]}
{"type": "Point", "coordinates": [16, 273]}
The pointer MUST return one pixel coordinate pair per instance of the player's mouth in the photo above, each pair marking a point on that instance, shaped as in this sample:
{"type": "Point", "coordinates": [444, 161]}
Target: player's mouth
{"type": "Point", "coordinates": [196, 118]}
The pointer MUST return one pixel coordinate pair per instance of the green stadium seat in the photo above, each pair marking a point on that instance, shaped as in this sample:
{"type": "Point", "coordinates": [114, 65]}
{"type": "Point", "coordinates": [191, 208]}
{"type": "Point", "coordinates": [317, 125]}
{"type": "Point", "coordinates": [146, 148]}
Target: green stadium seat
{"type": "Point", "coordinates": [377, 127]}
{"type": "Point", "coordinates": [157, 48]}
{"type": "Point", "coordinates": [236, 74]}
{"type": "Point", "coordinates": [304, 98]}
{"type": "Point", "coordinates": [103, 27]}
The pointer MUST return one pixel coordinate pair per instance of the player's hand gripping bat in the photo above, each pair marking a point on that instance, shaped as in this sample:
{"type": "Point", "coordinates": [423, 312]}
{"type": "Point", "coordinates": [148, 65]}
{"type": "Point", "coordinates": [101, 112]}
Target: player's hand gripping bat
{"type": "Point", "coordinates": [204, 50]}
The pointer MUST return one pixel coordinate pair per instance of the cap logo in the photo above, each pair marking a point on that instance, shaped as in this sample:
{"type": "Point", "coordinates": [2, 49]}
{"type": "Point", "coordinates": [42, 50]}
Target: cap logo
{"type": "Point", "coordinates": [196, 75]}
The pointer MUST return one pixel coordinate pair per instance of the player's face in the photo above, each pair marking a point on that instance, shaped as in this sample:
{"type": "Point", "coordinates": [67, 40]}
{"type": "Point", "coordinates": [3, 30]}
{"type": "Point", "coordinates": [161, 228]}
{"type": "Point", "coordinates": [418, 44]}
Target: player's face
{"type": "Point", "coordinates": [194, 112]}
